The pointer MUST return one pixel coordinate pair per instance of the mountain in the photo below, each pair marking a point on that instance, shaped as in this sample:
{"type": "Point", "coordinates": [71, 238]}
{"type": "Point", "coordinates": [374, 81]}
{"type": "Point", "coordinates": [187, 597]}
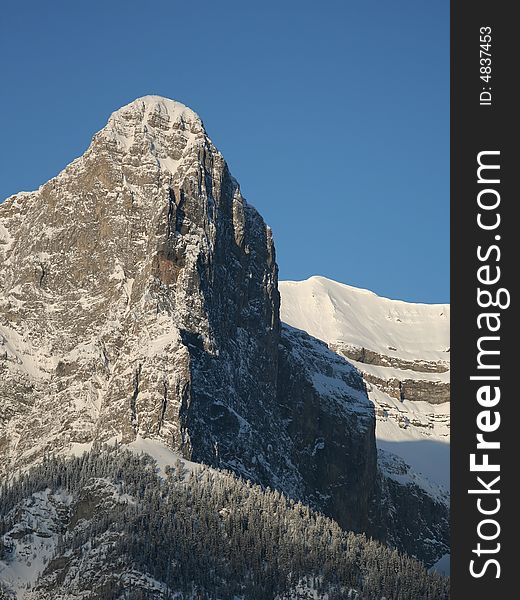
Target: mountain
{"type": "Point", "coordinates": [139, 305]}
{"type": "Point", "coordinates": [402, 350]}
{"type": "Point", "coordinates": [139, 299]}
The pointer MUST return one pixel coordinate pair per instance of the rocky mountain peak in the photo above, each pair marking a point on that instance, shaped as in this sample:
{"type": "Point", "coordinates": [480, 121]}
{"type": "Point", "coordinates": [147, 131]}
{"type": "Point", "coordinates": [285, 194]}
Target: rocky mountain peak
{"type": "Point", "coordinates": [157, 129]}
{"type": "Point", "coordinates": [139, 256]}
{"type": "Point", "coordinates": [146, 108]}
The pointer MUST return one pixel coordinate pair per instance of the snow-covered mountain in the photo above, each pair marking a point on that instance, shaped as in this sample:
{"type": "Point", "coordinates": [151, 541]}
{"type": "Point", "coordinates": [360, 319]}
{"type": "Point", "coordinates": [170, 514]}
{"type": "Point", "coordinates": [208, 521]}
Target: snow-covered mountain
{"type": "Point", "coordinates": [402, 350]}
{"type": "Point", "coordinates": [139, 304]}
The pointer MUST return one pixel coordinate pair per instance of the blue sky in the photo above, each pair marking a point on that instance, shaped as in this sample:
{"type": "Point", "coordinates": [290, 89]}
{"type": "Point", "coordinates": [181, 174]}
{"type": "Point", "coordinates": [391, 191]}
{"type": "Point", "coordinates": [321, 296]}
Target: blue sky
{"type": "Point", "coordinates": [333, 115]}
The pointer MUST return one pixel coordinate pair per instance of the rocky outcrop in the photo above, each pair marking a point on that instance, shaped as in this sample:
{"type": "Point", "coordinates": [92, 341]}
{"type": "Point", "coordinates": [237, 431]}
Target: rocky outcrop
{"type": "Point", "coordinates": [418, 390]}
{"type": "Point", "coordinates": [415, 390]}
{"type": "Point", "coordinates": [403, 388]}
{"type": "Point", "coordinates": [425, 532]}
{"type": "Point", "coordinates": [369, 357]}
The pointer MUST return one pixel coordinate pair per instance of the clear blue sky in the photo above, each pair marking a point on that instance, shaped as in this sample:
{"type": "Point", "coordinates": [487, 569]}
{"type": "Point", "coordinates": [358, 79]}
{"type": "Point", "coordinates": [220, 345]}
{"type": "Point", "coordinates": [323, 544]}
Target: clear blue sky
{"type": "Point", "coordinates": [333, 115]}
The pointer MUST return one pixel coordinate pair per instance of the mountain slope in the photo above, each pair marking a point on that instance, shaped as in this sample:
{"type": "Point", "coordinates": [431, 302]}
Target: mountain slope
{"type": "Point", "coordinates": [402, 351]}
{"type": "Point", "coordinates": [403, 331]}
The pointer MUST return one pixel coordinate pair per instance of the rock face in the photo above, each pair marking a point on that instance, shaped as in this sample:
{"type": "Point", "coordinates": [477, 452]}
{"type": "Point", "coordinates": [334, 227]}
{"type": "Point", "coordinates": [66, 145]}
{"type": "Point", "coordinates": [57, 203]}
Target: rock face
{"type": "Point", "coordinates": [138, 299]}
{"type": "Point", "coordinates": [369, 357]}
{"type": "Point", "coordinates": [134, 268]}
{"type": "Point", "coordinates": [323, 404]}
{"type": "Point", "coordinates": [414, 389]}
{"type": "Point", "coordinates": [427, 518]}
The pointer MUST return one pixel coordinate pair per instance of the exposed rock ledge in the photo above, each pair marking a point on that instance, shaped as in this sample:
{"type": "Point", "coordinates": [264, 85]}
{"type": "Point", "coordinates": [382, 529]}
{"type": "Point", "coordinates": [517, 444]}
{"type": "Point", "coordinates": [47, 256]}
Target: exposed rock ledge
{"type": "Point", "coordinates": [364, 355]}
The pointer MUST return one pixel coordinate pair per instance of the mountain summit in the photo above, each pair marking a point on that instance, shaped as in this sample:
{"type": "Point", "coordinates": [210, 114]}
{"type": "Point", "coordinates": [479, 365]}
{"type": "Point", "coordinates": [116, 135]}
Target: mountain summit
{"type": "Point", "coordinates": [157, 129]}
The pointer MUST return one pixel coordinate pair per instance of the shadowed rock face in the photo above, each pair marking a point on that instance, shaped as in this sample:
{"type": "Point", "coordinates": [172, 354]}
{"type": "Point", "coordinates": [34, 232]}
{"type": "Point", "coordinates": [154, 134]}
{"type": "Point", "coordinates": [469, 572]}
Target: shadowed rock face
{"type": "Point", "coordinates": [406, 516]}
{"type": "Point", "coordinates": [138, 298]}
{"type": "Point", "coordinates": [323, 402]}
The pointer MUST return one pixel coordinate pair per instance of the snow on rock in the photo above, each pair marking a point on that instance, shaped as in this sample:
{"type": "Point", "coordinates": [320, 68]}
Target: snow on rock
{"type": "Point", "coordinates": [139, 301]}
{"type": "Point", "coordinates": [155, 125]}
{"type": "Point", "coordinates": [163, 456]}
{"type": "Point", "coordinates": [397, 469]}
{"type": "Point", "coordinates": [31, 543]}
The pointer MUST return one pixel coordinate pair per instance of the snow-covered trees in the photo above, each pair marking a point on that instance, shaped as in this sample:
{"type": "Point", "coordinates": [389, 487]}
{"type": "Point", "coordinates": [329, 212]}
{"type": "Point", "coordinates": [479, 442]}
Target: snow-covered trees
{"type": "Point", "coordinates": [203, 534]}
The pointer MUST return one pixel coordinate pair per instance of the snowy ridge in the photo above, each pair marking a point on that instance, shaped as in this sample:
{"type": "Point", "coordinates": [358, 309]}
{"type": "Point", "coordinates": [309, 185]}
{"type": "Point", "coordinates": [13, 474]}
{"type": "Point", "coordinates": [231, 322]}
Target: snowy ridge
{"type": "Point", "coordinates": [333, 311]}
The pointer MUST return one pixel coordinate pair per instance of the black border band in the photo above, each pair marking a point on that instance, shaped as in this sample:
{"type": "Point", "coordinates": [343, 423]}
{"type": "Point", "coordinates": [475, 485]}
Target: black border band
{"type": "Point", "coordinates": [485, 124]}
